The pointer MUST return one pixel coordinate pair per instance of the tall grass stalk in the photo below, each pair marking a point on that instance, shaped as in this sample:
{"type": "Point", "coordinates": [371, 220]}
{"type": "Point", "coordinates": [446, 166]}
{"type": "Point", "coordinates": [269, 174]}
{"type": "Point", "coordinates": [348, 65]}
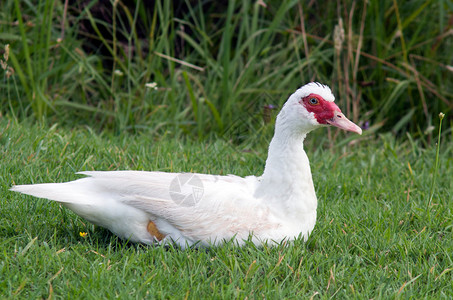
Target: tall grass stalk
{"type": "Point", "coordinates": [37, 57]}
{"type": "Point", "coordinates": [436, 166]}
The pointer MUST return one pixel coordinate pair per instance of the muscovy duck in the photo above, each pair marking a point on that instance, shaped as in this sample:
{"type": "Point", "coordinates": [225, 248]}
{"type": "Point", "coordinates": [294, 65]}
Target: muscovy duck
{"type": "Point", "coordinates": [204, 210]}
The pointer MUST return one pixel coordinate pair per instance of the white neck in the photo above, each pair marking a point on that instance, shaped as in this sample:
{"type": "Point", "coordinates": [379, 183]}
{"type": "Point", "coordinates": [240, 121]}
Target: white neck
{"type": "Point", "coordinates": [286, 181]}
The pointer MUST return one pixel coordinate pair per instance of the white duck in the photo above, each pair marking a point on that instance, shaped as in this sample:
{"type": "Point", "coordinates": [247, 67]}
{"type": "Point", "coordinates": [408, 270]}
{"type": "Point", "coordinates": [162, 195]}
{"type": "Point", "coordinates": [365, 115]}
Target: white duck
{"type": "Point", "coordinates": [188, 209]}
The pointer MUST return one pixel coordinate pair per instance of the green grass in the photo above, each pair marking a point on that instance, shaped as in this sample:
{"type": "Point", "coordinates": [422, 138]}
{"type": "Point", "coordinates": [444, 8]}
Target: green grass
{"type": "Point", "coordinates": [373, 238]}
{"type": "Point", "coordinates": [70, 99]}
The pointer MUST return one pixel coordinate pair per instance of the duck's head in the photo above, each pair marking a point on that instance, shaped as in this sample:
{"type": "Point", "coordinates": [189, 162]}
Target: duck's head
{"type": "Point", "coordinates": [312, 106]}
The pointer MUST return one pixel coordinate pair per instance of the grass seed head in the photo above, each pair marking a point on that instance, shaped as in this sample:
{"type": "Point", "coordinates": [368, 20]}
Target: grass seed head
{"type": "Point", "coordinates": [338, 35]}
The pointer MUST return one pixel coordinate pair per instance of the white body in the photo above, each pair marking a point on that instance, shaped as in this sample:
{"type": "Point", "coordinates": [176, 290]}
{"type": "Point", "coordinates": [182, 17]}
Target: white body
{"type": "Point", "coordinates": [279, 205]}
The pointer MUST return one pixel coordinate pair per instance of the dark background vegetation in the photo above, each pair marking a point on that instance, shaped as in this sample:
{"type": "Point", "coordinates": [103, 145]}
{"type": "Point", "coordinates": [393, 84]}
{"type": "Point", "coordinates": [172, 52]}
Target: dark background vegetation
{"type": "Point", "coordinates": [220, 66]}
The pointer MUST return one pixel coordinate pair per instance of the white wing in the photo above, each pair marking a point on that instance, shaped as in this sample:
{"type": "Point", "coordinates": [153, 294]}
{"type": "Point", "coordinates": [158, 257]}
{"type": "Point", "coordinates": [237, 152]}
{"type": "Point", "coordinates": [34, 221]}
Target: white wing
{"type": "Point", "coordinates": [186, 207]}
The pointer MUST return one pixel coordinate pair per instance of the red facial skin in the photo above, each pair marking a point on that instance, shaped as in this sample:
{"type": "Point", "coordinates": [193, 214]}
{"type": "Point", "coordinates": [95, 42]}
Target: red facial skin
{"type": "Point", "coordinates": [323, 110]}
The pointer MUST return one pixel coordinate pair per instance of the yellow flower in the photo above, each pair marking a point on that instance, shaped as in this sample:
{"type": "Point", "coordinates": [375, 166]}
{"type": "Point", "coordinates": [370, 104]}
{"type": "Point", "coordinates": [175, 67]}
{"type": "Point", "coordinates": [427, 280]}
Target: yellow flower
{"type": "Point", "coordinates": [83, 234]}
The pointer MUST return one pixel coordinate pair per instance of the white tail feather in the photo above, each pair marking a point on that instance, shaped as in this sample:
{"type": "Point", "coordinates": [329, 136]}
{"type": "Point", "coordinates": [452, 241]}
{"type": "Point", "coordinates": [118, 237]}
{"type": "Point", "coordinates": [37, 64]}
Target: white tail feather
{"type": "Point", "coordinates": [78, 191]}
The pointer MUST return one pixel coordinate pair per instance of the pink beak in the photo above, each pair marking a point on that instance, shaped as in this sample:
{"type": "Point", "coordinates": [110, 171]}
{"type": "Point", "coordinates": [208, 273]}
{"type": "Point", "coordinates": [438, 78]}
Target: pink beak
{"type": "Point", "coordinates": [339, 120]}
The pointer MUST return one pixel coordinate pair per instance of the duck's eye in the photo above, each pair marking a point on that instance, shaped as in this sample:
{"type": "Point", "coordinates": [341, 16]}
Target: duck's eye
{"type": "Point", "coordinates": [313, 101]}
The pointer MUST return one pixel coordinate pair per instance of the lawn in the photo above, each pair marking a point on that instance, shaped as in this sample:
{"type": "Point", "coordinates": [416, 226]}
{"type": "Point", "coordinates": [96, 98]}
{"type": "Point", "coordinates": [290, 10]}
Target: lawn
{"type": "Point", "coordinates": [376, 234]}
{"type": "Point", "coordinates": [194, 86]}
